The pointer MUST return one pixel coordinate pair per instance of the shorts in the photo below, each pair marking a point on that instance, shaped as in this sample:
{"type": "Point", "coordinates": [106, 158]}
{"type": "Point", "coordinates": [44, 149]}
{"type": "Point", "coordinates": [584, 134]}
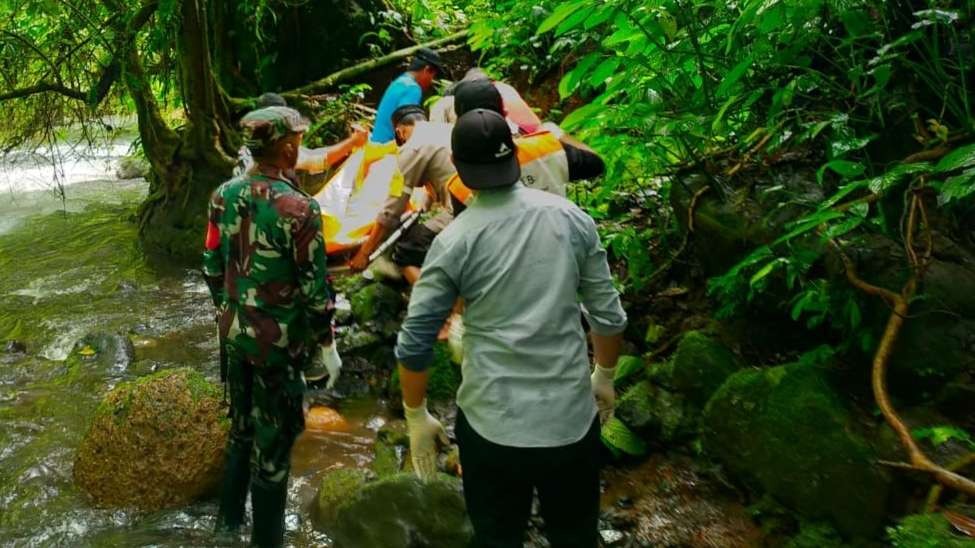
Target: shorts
{"type": "Point", "coordinates": [411, 249]}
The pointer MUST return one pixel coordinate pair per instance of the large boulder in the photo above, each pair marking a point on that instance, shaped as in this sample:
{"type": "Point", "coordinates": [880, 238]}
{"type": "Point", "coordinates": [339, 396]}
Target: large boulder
{"type": "Point", "coordinates": [655, 414]}
{"type": "Point", "coordinates": [783, 430]}
{"type": "Point", "coordinates": [398, 511]}
{"type": "Point", "coordinates": [700, 365]}
{"type": "Point", "coordinates": [155, 442]}
{"type": "Point", "coordinates": [376, 303]}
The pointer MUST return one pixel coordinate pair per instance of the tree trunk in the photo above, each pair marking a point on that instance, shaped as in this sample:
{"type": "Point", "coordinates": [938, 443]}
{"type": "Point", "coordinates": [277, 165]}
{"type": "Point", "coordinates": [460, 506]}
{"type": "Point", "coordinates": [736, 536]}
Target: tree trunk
{"type": "Point", "coordinates": [189, 164]}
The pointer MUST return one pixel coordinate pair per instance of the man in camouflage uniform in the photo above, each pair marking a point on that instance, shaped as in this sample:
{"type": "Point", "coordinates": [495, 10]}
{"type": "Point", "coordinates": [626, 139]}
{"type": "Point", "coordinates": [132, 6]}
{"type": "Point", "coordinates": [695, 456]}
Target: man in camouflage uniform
{"type": "Point", "coordinates": [265, 264]}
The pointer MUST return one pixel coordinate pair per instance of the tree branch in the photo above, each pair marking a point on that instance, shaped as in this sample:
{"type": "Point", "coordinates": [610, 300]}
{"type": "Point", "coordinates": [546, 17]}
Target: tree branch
{"type": "Point", "coordinates": [348, 73]}
{"type": "Point", "coordinates": [43, 87]}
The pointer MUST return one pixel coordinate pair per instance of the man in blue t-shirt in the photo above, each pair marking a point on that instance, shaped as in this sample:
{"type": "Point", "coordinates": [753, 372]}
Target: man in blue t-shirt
{"type": "Point", "coordinates": [406, 90]}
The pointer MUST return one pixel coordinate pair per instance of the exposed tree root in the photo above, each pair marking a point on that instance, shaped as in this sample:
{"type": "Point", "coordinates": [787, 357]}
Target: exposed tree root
{"type": "Point", "coordinates": [691, 208]}
{"type": "Point", "coordinates": [934, 495]}
{"type": "Point", "coordinates": [900, 304]}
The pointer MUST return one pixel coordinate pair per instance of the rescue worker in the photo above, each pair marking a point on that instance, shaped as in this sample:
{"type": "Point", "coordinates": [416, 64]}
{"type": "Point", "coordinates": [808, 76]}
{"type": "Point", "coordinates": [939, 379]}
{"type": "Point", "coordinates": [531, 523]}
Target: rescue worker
{"type": "Point", "coordinates": [407, 89]}
{"type": "Point", "coordinates": [549, 158]}
{"type": "Point", "coordinates": [264, 262]}
{"type": "Point", "coordinates": [520, 116]}
{"type": "Point", "coordinates": [522, 260]}
{"type": "Point", "coordinates": [311, 160]}
{"type": "Point", "coordinates": [424, 161]}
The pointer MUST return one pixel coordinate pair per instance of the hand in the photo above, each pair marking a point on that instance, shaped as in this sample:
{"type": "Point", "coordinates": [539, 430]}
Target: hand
{"type": "Point", "coordinates": [603, 390]}
{"type": "Point", "coordinates": [327, 362]}
{"type": "Point", "coordinates": [359, 135]}
{"type": "Point", "coordinates": [425, 431]}
{"type": "Point", "coordinates": [455, 339]}
{"type": "Point", "coordinates": [360, 261]}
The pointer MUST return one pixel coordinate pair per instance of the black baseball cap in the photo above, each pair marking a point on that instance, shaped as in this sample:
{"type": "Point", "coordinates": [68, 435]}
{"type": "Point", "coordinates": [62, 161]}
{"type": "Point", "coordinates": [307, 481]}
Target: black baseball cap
{"type": "Point", "coordinates": [484, 152]}
{"type": "Point", "coordinates": [427, 57]}
{"type": "Point", "coordinates": [479, 93]}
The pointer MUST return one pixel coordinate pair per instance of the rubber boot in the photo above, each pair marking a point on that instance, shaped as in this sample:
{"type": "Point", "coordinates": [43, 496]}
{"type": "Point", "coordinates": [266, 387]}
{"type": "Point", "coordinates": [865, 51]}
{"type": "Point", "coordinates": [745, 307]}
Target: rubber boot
{"type": "Point", "coordinates": [233, 490]}
{"type": "Point", "coordinates": [268, 501]}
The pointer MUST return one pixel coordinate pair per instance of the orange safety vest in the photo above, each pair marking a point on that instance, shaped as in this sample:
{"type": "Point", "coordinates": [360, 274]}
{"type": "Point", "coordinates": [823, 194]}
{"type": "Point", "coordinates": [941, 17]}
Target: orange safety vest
{"type": "Point", "coordinates": [543, 166]}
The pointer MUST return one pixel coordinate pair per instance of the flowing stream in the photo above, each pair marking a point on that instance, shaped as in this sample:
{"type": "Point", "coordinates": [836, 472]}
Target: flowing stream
{"type": "Point", "coordinates": [73, 268]}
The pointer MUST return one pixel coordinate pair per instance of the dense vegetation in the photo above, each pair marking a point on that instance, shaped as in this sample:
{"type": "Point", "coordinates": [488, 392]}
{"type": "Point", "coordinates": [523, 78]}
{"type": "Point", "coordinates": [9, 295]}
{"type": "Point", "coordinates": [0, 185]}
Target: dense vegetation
{"type": "Point", "coordinates": [807, 164]}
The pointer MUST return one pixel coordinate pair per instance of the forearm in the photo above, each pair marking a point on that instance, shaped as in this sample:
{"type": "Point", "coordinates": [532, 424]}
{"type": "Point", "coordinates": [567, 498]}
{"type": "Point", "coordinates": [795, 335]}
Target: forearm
{"type": "Point", "coordinates": [376, 238]}
{"type": "Point", "coordinates": [339, 151]}
{"type": "Point", "coordinates": [414, 386]}
{"type": "Point", "coordinates": [606, 349]}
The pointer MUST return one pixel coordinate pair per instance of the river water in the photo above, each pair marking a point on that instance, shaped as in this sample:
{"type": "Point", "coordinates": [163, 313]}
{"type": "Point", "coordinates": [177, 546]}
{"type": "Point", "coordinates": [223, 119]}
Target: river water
{"type": "Point", "coordinates": [70, 268]}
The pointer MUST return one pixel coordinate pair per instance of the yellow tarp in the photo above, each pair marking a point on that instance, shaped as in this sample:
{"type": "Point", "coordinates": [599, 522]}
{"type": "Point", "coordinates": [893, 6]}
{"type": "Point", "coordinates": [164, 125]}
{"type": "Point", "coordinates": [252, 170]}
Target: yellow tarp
{"type": "Point", "coordinates": [353, 197]}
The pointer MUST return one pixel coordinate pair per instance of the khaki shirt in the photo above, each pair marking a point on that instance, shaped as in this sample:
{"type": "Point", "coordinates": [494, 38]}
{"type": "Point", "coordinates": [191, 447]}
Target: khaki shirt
{"type": "Point", "coordinates": [423, 160]}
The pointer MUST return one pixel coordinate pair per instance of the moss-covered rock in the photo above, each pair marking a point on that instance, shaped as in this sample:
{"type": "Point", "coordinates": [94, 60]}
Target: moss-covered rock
{"type": "Point", "coordinates": [444, 377]}
{"type": "Point", "coordinates": [927, 531]}
{"type": "Point", "coordinates": [700, 365]}
{"type": "Point", "coordinates": [376, 303]}
{"type": "Point", "coordinates": [785, 431]}
{"type": "Point", "coordinates": [399, 511]}
{"type": "Point", "coordinates": [655, 414]}
{"type": "Point", "coordinates": [389, 452]}
{"type": "Point", "coordinates": [156, 442]}
{"type": "Point", "coordinates": [620, 440]}
{"type": "Point", "coordinates": [337, 487]}
{"type": "Point", "coordinates": [816, 535]}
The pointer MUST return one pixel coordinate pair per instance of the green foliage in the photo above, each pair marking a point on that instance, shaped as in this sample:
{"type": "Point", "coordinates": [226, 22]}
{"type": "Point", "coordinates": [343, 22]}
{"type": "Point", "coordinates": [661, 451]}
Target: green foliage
{"type": "Point", "coordinates": [926, 531]}
{"type": "Point", "coordinates": [939, 435]}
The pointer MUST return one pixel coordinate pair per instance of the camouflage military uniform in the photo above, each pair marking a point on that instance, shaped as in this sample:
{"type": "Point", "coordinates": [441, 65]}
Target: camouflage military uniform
{"type": "Point", "coordinates": [264, 260]}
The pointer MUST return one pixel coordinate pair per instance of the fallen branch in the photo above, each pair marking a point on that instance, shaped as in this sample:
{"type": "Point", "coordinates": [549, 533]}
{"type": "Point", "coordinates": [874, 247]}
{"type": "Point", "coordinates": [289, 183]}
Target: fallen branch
{"type": "Point", "coordinates": [348, 73]}
{"type": "Point", "coordinates": [934, 495]}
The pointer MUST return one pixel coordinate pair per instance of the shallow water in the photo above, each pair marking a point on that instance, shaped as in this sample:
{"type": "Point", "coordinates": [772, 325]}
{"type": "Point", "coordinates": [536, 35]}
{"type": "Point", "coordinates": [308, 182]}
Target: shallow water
{"type": "Point", "coordinates": [65, 273]}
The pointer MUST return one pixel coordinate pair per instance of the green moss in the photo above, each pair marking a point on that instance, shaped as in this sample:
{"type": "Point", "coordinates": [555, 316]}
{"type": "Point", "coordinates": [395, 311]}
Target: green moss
{"type": "Point", "coordinates": [401, 511]}
{"type": "Point", "coordinates": [376, 303]}
{"type": "Point", "coordinates": [443, 381]}
{"type": "Point", "coordinates": [786, 432]}
{"type": "Point", "coordinates": [628, 369]}
{"type": "Point", "coordinates": [926, 531]}
{"type": "Point", "coordinates": [700, 365]}
{"type": "Point", "coordinates": [816, 535]}
{"type": "Point", "coordinates": [337, 486]}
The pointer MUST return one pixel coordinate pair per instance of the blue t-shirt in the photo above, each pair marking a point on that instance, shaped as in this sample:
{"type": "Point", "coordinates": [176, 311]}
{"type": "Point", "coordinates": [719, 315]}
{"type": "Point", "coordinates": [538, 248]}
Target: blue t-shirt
{"type": "Point", "coordinates": [402, 91]}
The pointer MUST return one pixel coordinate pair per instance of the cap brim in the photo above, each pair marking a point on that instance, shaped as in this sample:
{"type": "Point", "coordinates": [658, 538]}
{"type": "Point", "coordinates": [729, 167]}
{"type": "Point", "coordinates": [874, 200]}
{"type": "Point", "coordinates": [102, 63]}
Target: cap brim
{"type": "Point", "coordinates": [485, 176]}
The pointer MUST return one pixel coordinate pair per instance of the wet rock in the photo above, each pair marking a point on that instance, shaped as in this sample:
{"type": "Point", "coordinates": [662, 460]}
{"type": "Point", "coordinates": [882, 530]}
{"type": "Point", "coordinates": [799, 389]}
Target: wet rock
{"type": "Point", "coordinates": [784, 430]}
{"type": "Point", "coordinates": [325, 419]}
{"type": "Point", "coordinates": [376, 303]}
{"type": "Point", "coordinates": [111, 350]}
{"type": "Point", "coordinates": [444, 379]}
{"type": "Point", "coordinates": [14, 347]}
{"type": "Point", "coordinates": [337, 486]}
{"type": "Point", "coordinates": [655, 414]}
{"type": "Point", "coordinates": [701, 364]}
{"type": "Point", "coordinates": [156, 442]}
{"type": "Point", "coordinates": [401, 511]}
{"type": "Point", "coordinates": [132, 167]}
{"type": "Point", "coordinates": [392, 445]}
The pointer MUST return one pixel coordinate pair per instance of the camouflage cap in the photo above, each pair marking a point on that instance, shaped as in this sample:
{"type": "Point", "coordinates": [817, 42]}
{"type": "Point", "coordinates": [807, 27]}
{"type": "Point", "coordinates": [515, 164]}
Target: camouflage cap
{"type": "Point", "coordinates": [265, 126]}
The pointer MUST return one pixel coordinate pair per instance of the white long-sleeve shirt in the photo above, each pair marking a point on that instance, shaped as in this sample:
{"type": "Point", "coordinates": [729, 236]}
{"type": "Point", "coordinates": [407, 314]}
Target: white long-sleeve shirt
{"type": "Point", "coordinates": [522, 260]}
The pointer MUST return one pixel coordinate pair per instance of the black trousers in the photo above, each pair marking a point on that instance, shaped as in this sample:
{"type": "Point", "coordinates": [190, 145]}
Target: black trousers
{"type": "Point", "coordinates": [499, 482]}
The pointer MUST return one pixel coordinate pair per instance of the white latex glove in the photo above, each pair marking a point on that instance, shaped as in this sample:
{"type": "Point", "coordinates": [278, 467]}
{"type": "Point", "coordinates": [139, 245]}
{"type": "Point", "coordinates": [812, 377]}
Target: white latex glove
{"type": "Point", "coordinates": [455, 339]}
{"type": "Point", "coordinates": [331, 365]}
{"type": "Point", "coordinates": [602, 389]}
{"type": "Point", "coordinates": [425, 431]}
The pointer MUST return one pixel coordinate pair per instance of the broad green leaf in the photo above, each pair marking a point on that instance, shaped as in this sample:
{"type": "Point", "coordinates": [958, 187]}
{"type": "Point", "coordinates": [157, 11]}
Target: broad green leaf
{"type": "Point", "coordinates": [734, 75]}
{"type": "Point", "coordinates": [605, 69]}
{"type": "Point", "coordinates": [957, 187]}
{"type": "Point", "coordinates": [599, 16]}
{"type": "Point", "coordinates": [959, 158]}
{"type": "Point", "coordinates": [764, 271]}
{"type": "Point", "coordinates": [857, 215]}
{"type": "Point", "coordinates": [880, 185]}
{"type": "Point", "coordinates": [573, 21]}
{"type": "Point", "coordinates": [844, 168]}
{"type": "Point", "coordinates": [808, 223]}
{"type": "Point", "coordinates": [577, 116]}
{"type": "Point", "coordinates": [559, 15]}
{"type": "Point", "coordinates": [571, 80]}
